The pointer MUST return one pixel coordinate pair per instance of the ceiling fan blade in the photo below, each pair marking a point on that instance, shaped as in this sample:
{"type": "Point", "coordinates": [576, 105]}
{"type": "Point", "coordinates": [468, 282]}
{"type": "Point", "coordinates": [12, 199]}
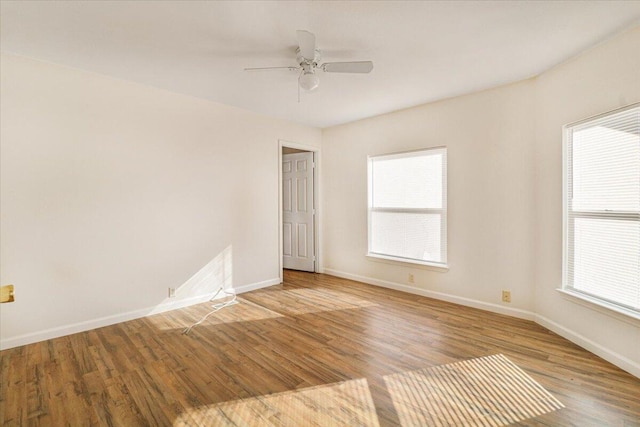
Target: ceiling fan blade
{"type": "Point", "coordinates": [291, 68]}
{"type": "Point", "coordinates": [307, 43]}
{"type": "Point", "coordinates": [347, 67]}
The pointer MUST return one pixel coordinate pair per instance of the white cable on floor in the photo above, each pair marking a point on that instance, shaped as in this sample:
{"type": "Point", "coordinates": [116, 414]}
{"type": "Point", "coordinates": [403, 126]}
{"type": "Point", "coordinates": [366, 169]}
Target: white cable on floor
{"type": "Point", "coordinates": [216, 307]}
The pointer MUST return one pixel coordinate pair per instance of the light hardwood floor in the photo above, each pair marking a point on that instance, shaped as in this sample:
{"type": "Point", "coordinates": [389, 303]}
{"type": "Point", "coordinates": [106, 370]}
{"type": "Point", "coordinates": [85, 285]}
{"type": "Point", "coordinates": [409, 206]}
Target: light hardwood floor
{"type": "Point", "coordinates": [313, 341]}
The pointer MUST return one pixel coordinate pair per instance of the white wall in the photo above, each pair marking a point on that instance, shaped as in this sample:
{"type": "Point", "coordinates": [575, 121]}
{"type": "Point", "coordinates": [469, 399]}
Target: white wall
{"type": "Point", "coordinates": [505, 194]}
{"type": "Point", "coordinates": [603, 79]}
{"type": "Point", "coordinates": [112, 192]}
{"type": "Point", "coordinates": [490, 139]}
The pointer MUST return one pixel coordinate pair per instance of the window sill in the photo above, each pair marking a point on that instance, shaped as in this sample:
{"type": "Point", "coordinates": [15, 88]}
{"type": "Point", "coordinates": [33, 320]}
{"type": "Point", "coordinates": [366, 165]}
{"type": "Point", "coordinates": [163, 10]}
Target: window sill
{"type": "Point", "coordinates": [603, 307]}
{"type": "Point", "coordinates": [404, 261]}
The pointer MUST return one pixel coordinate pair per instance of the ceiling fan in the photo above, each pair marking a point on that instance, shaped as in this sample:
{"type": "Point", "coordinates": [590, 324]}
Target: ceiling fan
{"type": "Point", "coordinates": [308, 58]}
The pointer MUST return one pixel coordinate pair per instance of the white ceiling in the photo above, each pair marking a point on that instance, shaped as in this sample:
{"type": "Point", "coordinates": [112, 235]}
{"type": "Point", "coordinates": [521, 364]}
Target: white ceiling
{"type": "Point", "coordinates": [422, 51]}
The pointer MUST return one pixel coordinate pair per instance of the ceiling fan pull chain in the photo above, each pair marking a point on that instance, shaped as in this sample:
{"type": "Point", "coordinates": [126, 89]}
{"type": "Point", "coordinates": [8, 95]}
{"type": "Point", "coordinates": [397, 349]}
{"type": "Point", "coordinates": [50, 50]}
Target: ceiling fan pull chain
{"type": "Point", "coordinates": [298, 85]}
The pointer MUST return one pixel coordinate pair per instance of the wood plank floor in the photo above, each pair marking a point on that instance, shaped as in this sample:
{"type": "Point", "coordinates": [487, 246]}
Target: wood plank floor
{"type": "Point", "coordinates": [315, 335]}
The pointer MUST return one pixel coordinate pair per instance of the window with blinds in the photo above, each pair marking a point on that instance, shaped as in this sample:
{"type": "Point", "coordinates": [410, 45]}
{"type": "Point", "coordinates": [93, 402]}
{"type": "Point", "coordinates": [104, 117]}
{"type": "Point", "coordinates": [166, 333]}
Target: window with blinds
{"type": "Point", "coordinates": [602, 209]}
{"type": "Point", "coordinates": [408, 206]}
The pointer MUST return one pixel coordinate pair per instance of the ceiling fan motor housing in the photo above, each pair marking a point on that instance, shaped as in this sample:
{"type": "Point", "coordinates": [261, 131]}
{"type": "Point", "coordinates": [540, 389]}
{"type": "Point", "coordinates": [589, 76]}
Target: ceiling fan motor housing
{"type": "Point", "coordinates": [309, 62]}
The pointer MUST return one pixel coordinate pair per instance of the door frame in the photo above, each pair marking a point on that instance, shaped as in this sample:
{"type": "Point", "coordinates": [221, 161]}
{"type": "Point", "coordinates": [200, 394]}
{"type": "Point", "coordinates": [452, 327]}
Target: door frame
{"type": "Point", "coordinates": [317, 266]}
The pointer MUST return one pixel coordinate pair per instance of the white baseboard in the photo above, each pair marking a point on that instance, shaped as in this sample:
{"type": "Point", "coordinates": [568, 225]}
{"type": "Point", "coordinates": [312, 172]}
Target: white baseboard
{"type": "Point", "coordinates": [120, 317]}
{"type": "Point", "coordinates": [610, 356]}
{"type": "Point", "coordinates": [259, 285]}
{"type": "Point", "coordinates": [495, 308]}
{"type": "Point", "coordinates": [620, 361]}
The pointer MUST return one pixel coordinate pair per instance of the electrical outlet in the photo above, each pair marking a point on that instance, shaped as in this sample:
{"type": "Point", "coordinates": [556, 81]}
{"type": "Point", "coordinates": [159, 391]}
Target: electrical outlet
{"type": "Point", "coordinates": [172, 292]}
{"type": "Point", "coordinates": [410, 279]}
{"type": "Point", "coordinates": [506, 296]}
{"type": "Point", "coordinates": [7, 294]}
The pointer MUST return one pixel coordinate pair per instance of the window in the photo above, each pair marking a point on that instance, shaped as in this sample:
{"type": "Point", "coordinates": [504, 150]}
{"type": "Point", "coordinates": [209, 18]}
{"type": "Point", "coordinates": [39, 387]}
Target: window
{"type": "Point", "coordinates": [408, 206]}
{"type": "Point", "coordinates": [602, 210]}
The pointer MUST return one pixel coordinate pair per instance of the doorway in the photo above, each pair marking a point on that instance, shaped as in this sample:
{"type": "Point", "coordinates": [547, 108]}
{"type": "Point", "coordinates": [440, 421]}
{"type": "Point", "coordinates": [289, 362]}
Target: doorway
{"type": "Point", "coordinates": [298, 207]}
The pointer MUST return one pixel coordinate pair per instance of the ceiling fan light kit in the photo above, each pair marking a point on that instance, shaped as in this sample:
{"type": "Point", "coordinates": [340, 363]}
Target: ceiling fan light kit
{"type": "Point", "coordinates": [308, 56]}
{"type": "Point", "coordinates": [308, 81]}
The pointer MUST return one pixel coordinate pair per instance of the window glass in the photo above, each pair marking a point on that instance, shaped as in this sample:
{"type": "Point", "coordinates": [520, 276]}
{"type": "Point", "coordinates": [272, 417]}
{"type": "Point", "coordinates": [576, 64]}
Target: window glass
{"type": "Point", "coordinates": [602, 209]}
{"type": "Point", "coordinates": [407, 206]}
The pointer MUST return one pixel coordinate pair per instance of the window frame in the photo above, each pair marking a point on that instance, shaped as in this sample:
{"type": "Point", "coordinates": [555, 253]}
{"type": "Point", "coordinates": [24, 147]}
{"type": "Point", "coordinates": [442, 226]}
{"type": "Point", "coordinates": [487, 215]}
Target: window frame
{"type": "Point", "coordinates": [442, 265]}
{"type": "Point", "coordinates": [567, 287]}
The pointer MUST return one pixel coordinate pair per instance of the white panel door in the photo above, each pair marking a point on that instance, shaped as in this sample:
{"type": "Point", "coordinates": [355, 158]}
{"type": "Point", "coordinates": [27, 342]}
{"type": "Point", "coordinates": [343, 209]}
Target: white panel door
{"type": "Point", "coordinates": [297, 211]}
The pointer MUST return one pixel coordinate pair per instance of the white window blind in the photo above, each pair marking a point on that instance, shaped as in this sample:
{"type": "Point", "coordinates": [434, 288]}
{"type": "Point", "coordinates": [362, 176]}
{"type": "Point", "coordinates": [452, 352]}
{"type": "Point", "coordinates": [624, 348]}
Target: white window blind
{"type": "Point", "coordinates": [602, 208]}
{"type": "Point", "coordinates": [408, 206]}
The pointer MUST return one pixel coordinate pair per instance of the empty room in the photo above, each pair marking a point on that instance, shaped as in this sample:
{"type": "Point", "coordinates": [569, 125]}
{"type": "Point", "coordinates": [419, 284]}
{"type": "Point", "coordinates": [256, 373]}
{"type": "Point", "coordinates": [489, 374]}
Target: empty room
{"type": "Point", "coordinates": [320, 213]}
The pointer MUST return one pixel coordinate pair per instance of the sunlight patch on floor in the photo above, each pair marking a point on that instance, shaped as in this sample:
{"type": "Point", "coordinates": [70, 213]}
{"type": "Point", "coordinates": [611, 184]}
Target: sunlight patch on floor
{"type": "Point", "coordinates": [244, 311]}
{"type": "Point", "coordinates": [487, 391]}
{"type": "Point", "coordinates": [305, 301]}
{"type": "Point", "coordinates": [347, 403]}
